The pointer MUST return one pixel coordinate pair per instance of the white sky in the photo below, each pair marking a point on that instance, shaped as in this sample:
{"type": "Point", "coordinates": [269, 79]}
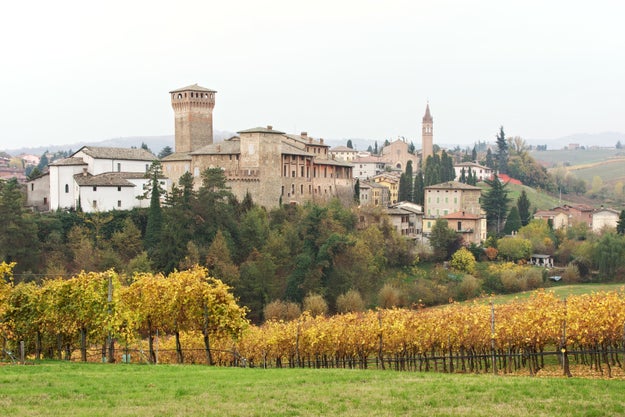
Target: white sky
{"type": "Point", "coordinates": [82, 70]}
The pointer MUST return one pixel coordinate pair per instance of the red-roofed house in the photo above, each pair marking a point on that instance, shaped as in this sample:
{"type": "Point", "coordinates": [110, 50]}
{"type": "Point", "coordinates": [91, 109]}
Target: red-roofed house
{"type": "Point", "coordinates": [472, 227]}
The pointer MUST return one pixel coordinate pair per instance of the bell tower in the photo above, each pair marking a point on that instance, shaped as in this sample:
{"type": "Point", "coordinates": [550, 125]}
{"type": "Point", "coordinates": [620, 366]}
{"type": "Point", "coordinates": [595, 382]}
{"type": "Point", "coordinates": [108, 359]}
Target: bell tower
{"type": "Point", "coordinates": [193, 113]}
{"type": "Point", "coordinates": [427, 136]}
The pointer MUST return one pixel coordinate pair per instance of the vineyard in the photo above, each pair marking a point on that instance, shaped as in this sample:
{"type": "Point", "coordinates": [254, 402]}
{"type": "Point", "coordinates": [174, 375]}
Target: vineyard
{"type": "Point", "coordinates": [188, 317]}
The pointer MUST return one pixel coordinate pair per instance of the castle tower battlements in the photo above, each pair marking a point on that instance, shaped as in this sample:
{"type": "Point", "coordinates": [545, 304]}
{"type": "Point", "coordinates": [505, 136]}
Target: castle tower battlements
{"type": "Point", "coordinates": [193, 112]}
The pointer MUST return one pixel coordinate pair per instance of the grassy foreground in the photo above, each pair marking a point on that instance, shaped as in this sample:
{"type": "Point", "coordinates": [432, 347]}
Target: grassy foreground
{"type": "Point", "coordinates": [72, 389]}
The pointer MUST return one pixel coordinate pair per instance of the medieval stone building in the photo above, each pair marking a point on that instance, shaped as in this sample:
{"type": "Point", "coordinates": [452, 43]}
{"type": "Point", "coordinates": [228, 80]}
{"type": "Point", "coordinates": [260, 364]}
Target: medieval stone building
{"type": "Point", "coordinates": [270, 165]}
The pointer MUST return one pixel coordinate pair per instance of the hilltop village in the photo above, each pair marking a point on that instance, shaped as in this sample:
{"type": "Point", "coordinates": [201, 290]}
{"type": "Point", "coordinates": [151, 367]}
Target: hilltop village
{"type": "Point", "coordinates": [283, 217]}
{"type": "Point", "coordinates": [273, 168]}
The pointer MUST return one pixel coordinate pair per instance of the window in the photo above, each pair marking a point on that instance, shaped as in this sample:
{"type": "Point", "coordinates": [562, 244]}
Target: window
{"type": "Point", "coordinates": [301, 189]}
{"type": "Point", "coordinates": [119, 188]}
{"type": "Point", "coordinates": [94, 204]}
{"type": "Point", "coordinates": [95, 188]}
{"type": "Point", "coordinates": [67, 188]}
{"type": "Point", "coordinates": [459, 226]}
{"type": "Point", "coordinates": [119, 203]}
{"type": "Point", "coordinates": [119, 167]}
{"type": "Point", "coordinates": [32, 186]}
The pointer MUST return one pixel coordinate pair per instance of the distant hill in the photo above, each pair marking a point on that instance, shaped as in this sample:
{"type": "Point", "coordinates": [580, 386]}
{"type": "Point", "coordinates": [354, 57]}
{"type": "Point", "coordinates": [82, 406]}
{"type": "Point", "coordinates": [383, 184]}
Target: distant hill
{"type": "Point", "coordinates": [604, 139]}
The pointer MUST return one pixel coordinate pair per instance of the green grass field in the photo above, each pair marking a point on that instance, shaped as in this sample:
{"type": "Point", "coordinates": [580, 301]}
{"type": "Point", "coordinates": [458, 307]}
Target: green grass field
{"type": "Point", "coordinates": [71, 389]}
{"type": "Point", "coordinates": [538, 199]}
{"type": "Point", "coordinates": [560, 290]}
{"type": "Point", "coordinates": [577, 157]}
{"type": "Point", "coordinates": [609, 171]}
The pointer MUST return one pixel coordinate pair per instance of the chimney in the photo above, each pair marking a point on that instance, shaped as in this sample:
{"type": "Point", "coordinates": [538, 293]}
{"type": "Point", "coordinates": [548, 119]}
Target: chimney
{"type": "Point", "coordinates": [304, 134]}
{"type": "Point", "coordinates": [269, 127]}
{"type": "Point", "coordinates": [84, 171]}
{"type": "Point", "coordinates": [321, 141]}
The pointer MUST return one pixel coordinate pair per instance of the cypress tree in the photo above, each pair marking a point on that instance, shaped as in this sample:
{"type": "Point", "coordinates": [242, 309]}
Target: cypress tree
{"type": "Point", "coordinates": [523, 206]}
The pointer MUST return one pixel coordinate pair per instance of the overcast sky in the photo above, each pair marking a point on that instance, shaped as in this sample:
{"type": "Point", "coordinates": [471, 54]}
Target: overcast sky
{"type": "Point", "coordinates": [87, 71]}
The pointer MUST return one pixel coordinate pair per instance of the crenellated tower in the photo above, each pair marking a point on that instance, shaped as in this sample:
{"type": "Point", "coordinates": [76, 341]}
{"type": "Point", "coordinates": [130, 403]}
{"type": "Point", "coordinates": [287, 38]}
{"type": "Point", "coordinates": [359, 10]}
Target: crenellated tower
{"type": "Point", "coordinates": [427, 136]}
{"type": "Point", "coordinates": [193, 112]}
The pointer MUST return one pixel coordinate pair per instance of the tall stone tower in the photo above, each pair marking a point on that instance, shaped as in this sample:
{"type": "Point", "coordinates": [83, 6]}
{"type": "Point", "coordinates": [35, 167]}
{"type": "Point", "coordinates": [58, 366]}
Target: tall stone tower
{"type": "Point", "coordinates": [427, 136]}
{"type": "Point", "coordinates": [193, 112]}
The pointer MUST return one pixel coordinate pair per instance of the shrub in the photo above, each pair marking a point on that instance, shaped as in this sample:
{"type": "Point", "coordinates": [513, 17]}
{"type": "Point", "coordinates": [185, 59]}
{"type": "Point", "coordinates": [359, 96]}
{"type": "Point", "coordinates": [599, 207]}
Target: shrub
{"type": "Point", "coordinates": [349, 302]}
{"type": "Point", "coordinates": [491, 253]}
{"type": "Point", "coordinates": [315, 304]}
{"type": "Point", "coordinates": [571, 274]}
{"type": "Point", "coordinates": [463, 260]}
{"type": "Point", "coordinates": [282, 310]}
{"type": "Point", "coordinates": [468, 288]}
{"type": "Point", "coordinates": [390, 296]}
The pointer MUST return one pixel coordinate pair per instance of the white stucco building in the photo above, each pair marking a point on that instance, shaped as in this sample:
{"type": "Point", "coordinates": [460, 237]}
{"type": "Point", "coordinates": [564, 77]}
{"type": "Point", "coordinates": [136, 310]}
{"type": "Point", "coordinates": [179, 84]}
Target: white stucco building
{"type": "Point", "coordinates": [94, 178]}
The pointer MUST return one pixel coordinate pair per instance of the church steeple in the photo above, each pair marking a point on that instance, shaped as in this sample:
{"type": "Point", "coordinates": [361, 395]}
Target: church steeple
{"type": "Point", "coordinates": [427, 136]}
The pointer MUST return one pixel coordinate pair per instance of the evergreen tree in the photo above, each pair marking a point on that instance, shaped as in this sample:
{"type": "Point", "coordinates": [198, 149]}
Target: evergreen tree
{"type": "Point", "coordinates": [375, 148]}
{"type": "Point", "coordinates": [432, 174]}
{"type": "Point", "coordinates": [370, 149]}
{"type": "Point", "coordinates": [418, 192]}
{"type": "Point", "coordinates": [523, 206]}
{"type": "Point", "coordinates": [620, 225]}
{"type": "Point", "coordinates": [402, 193]}
{"type": "Point", "coordinates": [166, 151]}
{"type": "Point", "coordinates": [412, 148]}
{"type": "Point", "coordinates": [447, 172]}
{"type": "Point", "coordinates": [474, 154]}
{"type": "Point", "coordinates": [495, 204]}
{"type": "Point", "coordinates": [18, 231]}
{"type": "Point", "coordinates": [155, 212]}
{"type": "Point", "coordinates": [490, 161]}
{"type": "Point", "coordinates": [409, 181]}
{"type": "Point", "coordinates": [349, 144]}
{"type": "Point", "coordinates": [502, 152]}
{"type": "Point", "coordinates": [463, 176]}
{"type": "Point", "coordinates": [513, 222]}
{"type": "Point", "coordinates": [357, 191]}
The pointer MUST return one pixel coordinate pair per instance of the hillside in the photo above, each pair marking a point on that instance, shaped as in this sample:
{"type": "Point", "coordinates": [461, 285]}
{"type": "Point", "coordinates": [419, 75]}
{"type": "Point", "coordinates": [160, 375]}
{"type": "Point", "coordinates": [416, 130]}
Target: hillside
{"type": "Point", "coordinates": [539, 199]}
{"type": "Point", "coordinates": [567, 157]}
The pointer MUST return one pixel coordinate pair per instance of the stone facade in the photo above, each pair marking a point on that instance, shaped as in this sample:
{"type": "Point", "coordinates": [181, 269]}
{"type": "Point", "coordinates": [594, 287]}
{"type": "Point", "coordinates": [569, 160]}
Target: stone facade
{"type": "Point", "coordinates": [193, 109]}
{"type": "Point", "coordinates": [448, 198]}
{"type": "Point", "coordinates": [270, 165]}
{"type": "Point", "coordinates": [604, 218]}
{"type": "Point", "coordinates": [558, 219]}
{"type": "Point", "coordinates": [397, 155]}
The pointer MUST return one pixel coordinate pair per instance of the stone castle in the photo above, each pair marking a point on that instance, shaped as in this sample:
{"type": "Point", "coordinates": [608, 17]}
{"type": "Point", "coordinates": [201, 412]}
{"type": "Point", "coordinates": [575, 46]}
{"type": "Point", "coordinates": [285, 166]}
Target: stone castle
{"type": "Point", "coordinates": [272, 166]}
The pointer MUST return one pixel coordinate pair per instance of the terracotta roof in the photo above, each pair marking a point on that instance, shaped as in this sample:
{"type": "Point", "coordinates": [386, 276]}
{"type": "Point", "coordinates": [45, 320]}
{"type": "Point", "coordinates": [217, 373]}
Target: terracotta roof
{"type": "Point", "coordinates": [226, 147]}
{"type": "Point", "coordinates": [177, 156]}
{"type": "Point", "coordinates": [267, 129]}
{"type": "Point", "coordinates": [139, 154]}
{"type": "Point", "coordinates": [370, 160]}
{"type": "Point", "coordinates": [547, 213]}
{"type": "Point", "coordinates": [335, 162]}
{"type": "Point", "coordinates": [290, 149]}
{"type": "Point", "coordinates": [453, 185]}
{"type": "Point", "coordinates": [110, 179]}
{"type": "Point", "coordinates": [462, 215]}
{"type": "Point", "coordinates": [342, 149]}
{"type": "Point", "coordinates": [68, 161]}
{"type": "Point", "coordinates": [306, 140]}
{"type": "Point", "coordinates": [193, 87]}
